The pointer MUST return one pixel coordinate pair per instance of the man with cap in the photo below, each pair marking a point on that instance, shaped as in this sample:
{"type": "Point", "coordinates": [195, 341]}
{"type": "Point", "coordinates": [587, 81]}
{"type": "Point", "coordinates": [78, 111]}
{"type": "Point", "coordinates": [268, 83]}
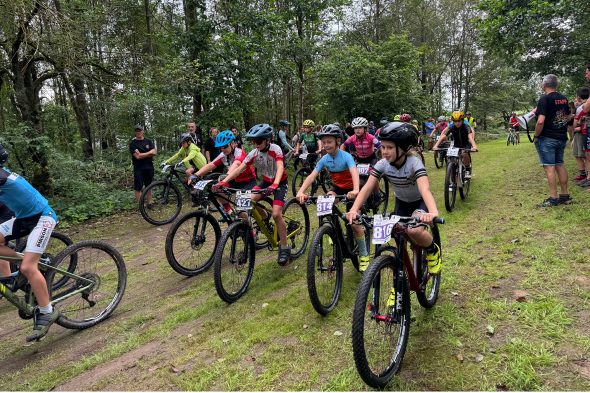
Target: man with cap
{"type": "Point", "coordinates": [142, 150]}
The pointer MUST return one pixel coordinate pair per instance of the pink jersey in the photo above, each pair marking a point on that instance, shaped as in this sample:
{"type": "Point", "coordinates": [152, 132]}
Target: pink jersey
{"type": "Point", "coordinates": [239, 155]}
{"type": "Point", "coordinates": [364, 146]}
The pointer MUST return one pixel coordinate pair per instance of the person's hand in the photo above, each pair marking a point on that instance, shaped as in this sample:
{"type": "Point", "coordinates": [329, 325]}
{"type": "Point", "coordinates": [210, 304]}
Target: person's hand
{"type": "Point", "coordinates": [474, 148]}
{"type": "Point", "coordinates": [351, 215]}
{"type": "Point", "coordinates": [178, 165]}
{"type": "Point", "coordinates": [162, 165]}
{"type": "Point", "coordinates": [351, 195]}
{"type": "Point", "coordinates": [301, 197]}
{"type": "Point", "coordinates": [272, 188]}
{"type": "Point", "coordinates": [221, 184]}
{"type": "Point", "coordinates": [428, 218]}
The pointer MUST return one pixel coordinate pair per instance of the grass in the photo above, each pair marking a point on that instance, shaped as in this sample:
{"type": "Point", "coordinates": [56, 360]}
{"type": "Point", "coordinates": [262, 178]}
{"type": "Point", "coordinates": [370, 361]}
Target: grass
{"type": "Point", "coordinates": [172, 333]}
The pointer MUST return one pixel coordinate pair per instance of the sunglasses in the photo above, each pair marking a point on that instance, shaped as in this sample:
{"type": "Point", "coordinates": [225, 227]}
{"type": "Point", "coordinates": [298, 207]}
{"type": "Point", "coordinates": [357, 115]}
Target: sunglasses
{"type": "Point", "coordinates": [225, 147]}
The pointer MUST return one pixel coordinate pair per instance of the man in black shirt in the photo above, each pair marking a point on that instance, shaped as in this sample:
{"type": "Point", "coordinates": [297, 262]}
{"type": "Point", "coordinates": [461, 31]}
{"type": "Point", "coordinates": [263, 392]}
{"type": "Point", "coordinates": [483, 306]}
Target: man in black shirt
{"type": "Point", "coordinates": [211, 152]}
{"type": "Point", "coordinates": [553, 115]}
{"type": "Point", "coordinates": [142, 150]}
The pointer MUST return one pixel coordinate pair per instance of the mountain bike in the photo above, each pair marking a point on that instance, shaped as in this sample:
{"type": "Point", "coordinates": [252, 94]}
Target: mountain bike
{"type": "Point", "coordinates": [455, 178]}
{"type": "Point", "coordinates": [440, 156]}
{"type": "Point", "coordinates": [381, 316]}
{"type": "Point", "coordinates": [324, 180]}
{"type": "Point", "coordinates": [86, 296]}
{"type": "Point", "coordinates": [192, 239]}
{"type": "Point", "coordinates": [235, 254]}
{"type": "Point", "coordinates": [513, 137]}
{"type": "Point", "coordinates": [165, 195]}
{"type": "Point", "coordinates": [377, 201]}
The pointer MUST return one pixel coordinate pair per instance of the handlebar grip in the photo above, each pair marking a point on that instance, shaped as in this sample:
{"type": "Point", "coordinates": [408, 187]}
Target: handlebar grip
{"type": "Point", "coordinates": [439, 220]}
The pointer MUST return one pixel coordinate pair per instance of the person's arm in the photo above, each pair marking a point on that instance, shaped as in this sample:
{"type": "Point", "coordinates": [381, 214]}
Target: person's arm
{"type": "Point", "coordinates": [206, 169]}
{"type": "Point", "coordinates": [283, 138]}
{"type": "Point", "coordinates": [318, 145]}
{"type": "Point", "coordinates": [586, 106]}
{"type": "Point", "coordinates": [301, 196]}
{"type": "Point", "coordinates": [362, 197]}
{"type": "Point", "coordinates": [280, 171]}
{"type": "Point", "coordinates": [443, 136]}
{"type": "Point", "coordinates": [147, 154]}
{"type": "Point", "coordinates": [174, 157]}
{"type": "Point", "coordinates": [471, 137]}
{"type": "Point", "coordinates": [539, 126]}
{"type": "Point", "coordinates": [354, 173]}
{"type": "Point", "coordinates": [424, 188]}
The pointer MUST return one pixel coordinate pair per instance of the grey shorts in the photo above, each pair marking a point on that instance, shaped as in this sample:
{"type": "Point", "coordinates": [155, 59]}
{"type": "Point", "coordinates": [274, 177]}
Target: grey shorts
{"type": "Point", "coordinates": [578, 144]}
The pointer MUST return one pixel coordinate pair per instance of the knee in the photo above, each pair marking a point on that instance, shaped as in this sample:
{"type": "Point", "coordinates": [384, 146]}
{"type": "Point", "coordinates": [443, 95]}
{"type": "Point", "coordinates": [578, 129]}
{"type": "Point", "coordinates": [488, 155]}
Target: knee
{"type": "Point", "coordinates": [27, 269]}
{"type": "Point", "coordinates": [277, 213]}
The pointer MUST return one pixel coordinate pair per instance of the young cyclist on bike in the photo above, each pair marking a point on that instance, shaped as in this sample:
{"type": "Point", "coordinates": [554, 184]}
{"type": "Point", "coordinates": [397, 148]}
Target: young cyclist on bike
{"type": "Point", "coordinates": [190, 153]}
{"type": "Point", "coordinates": [308, 139]}
{"type": "Point", "coordinates": [514, 125]}
{"type": "Point", "coordinates": [35, 218]}
{"type": "Point", "coordinates": [231, 157]}
{"type": "Point", "coordinates": [412, 188]}
{"type": "Point", "coordinates": [362, 143]}
{"type": "Point", "coordinates": [463, 138]}
{"type": "Point", "coordinates": [345, 178]}
{"type": "Point", "coordinates": [268, 159]}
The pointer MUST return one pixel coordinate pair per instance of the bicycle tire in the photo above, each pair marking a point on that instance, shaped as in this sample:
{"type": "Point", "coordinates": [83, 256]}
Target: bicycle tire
{"type": "Point", "coordinates": [324, 273]}
{"type": "Point", "coordinates": [224, 267]}
{"type": "Point", "coordinates": [508, 140]}
{"type": "Point", "coordinates": [381, 208]}
{"type": "Point", "coordinates": [166, 203]}
{"type": "Point", "coordinates": [438, 161]}
{"type": "Point", "coordinates": [186, 238]}
{"type": "Point", "coordinates": [464, 191]}
{"type": "Point", "coordinates": [298, 179]}
{"type": "Point", "coordinates": [428, 294]}
{"type": "Point", "coordinates": [450, 187]}
{"type": "Point", "coordinates": [293, 221]}
{"type": "Point", "coordinates": [326, 181]}
{"type": "Point", "coordinates": [368, 332]}
{"type": "Point", "coordinates": [260, 240]}
{"type": "Point", "coordinates": [103, 264]}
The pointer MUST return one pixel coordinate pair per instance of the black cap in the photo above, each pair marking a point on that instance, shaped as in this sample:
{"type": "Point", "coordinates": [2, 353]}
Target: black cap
{"type": "Point", "coordinates": [138, 127]}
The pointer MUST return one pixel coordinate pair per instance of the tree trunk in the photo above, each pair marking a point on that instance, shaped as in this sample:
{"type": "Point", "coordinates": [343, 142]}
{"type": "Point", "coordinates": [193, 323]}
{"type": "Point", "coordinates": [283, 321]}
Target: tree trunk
{"type": "Point", "coordinates": [77, 92]}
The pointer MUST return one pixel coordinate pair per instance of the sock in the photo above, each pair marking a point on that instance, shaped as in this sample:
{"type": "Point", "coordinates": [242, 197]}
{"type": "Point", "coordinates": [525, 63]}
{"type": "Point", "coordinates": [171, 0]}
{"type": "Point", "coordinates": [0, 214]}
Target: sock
{"type": "Point", "coordinates": [362, 247]}
{"type": "Point", "coordinates": [431, 249]}
{"type": "Point", "coordinates": [48, 309]}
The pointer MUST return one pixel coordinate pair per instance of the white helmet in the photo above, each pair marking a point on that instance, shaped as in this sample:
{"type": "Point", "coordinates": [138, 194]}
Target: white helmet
{"type": "Point", "coordinates": [441, 118]}
{"type": "Point", "coordinates": [359, 122]}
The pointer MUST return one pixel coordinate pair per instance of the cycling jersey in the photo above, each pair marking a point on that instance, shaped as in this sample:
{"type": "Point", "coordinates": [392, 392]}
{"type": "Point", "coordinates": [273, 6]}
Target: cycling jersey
{"type": "Point", "coordinates": [339, 168]}
{"type": "Point", "coordinates": [403, 178]}
{"type": "Point", "coordinates": [191, 156]}
{"type": "Point", "coordinates": [237, 155]}
{"type": "Point", "coordinates": [281, 139]}
{"type": "Point", "coordinates": [460, 136]}
{"type": "Point", "coordinates": [310, 140]}
{"type": "Point", "coordinates": [266, 162]}
{"type": "Point", "coordinates": [513, 121]}
{"type": "Point", "coordinates": [20, 197]}
{"type": "Point", "coordinates": [364, 146]}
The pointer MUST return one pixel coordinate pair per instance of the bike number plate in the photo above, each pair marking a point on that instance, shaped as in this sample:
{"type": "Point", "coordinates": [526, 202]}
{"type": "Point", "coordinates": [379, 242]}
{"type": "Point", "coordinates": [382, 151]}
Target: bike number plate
{"type": "Point", "coordinates": [324, 205]}
{"type": "Point", "coordinates": [382, 227]}
{"type": "Point", "coordinates": [363, 169]}
{"type": "Point", "coordinates": [165, 168]}
{"type": "Point", "coordinates": [201, 184]}
{"type": "Point", "coordinates": [303, 156]}
{"type": "Point", "coordinates": [453, 152]}
{"type": "Point", "coordinates": [244, 200]}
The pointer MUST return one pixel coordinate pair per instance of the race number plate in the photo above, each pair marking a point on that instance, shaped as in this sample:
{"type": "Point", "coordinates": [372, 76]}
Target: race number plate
{"type": "Point", "coordinates": [244, 200]}
{"type": "Point", "coordinates": [303, 156]}
{"type": "Point", "coordinates": [201, 184]}
{"type": "Point", "coordinates": [382, 227]}
{"type": "Point", "coordinates": [165, 168]}
{"type": "Point", "coordinates": [324, 205]}
{"type": "Point", "coordinates": [363, 169]}
{"type": "Point", "coordinates": [453, 152]}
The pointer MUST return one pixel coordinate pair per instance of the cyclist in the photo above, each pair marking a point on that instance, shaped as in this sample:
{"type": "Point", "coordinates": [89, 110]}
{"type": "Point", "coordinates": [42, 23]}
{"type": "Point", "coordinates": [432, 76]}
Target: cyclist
{"type": "Point", "coordinates": [231, 156]}
{"type": "Point", "coordinates": [281, 137]}
{"type": "Point", "coordinates": [514, 125]}
{"type": "Point", "coordinates": [345, 178]}
{"type": "Point", "coordinates": [470, 120]}
{"type": "Point", "coordinates": [35, 218]}
{"type": "Point", "coordinates": [308, 139]}
{"type": "Point", "coordinates": [382, 122]}
{"type": "Point", "coordinates": [268, 160]}
{"type": "Point", "coordinates": [190, 154]}
{"type": "Point", "coordinates": [412, 188]}
{"type": "Point", "coordinates": [463, 138]}
{"type": "Point", "coordinates": [362, 143]}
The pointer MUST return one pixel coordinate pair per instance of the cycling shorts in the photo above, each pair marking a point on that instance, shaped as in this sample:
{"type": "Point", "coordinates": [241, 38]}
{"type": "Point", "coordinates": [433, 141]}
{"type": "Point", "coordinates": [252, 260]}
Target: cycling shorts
{"type": "Point", "coordinates": [342, 191]}
{"type": "Point", "coordinates": [279, 194]}
{"type": "Point", "coordinates": [408, 209]}
{"type": "Point", "coordinates": [372, 159]}
{"type": "Point", "coordinates": [37, 227]}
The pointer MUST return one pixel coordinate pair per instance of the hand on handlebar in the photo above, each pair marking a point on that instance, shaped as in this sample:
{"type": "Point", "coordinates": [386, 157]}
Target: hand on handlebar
{"type": "Point", "coordinates": [428, 218]}
{"type": "Point", "coordinates": [351, 195]}
{"type": "Point", "coordinates": [351, 216]}
{"type": "Point", "coordinates": [301, 197]}
{"type": "Point", "coordinates": [221, 184]}
{"type": "Point", "coordinates": [272, 188]}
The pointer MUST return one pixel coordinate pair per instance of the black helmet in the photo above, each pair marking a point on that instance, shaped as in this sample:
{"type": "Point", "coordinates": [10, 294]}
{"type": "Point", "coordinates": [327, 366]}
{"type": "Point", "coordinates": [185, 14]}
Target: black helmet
{"type": "Point", "coordinates": [263, 131]}
{"type": "Point", "coordinates": [284, 123]}
{"type": "Point", "coordinates": [383, 121]}
{"type": "Point", "coordinates": [3, 155]}
{"type": "Point", "coordinates": [402, 134]}
{"type": "Point", "coordinates": [330, 130]}
{"type": "Point", "coordinates": [185, 137]}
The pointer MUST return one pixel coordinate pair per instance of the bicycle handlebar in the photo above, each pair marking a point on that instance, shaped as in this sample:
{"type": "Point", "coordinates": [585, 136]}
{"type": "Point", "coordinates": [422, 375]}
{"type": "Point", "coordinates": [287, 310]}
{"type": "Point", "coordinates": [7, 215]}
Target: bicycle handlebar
{"type": "Point", "coordinates": [460, 148]}
{"type": "Point", "coordinates": [312, 199]}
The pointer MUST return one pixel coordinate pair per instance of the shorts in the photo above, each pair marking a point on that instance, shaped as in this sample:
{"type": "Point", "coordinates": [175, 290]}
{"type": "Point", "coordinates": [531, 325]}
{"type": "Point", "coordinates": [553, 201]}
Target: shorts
{"type": "Point", "coordinates": [372, 159]}
{"type": "Point", "coordinates": [550, 151]}
{"type": "Point", "coordinates": [243, 185]}
{"type": "Point", "coordinates": [586, 142]}
{"type": "Point", "coordinates": [280, 193]}
{"type": "Point", "coordinates": [37, 227]}
{"type": "Point", "coordinates": [408, 209]}
{"type": "Point", "coordinates": [142, 178]}
{"type": "Point", "coordinates": [579, 143]}
{"type": "Point", "coordinates": [343, 191]}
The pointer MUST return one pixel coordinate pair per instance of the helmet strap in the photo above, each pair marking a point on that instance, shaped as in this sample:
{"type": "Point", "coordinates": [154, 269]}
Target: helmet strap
{"type": "Point", "coordinates": [267, 146]}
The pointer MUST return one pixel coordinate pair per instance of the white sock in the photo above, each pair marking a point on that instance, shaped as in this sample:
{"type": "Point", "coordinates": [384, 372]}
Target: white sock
{"type": "Point", "coordinates": [48, 309]}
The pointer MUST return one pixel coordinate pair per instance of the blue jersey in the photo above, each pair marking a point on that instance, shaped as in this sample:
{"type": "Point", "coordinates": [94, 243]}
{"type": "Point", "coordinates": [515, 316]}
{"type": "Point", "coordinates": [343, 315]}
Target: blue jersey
{"type": "Point", "coordinates": [20, 197]}
{"type": "Point", "coordinates": [339, 168]}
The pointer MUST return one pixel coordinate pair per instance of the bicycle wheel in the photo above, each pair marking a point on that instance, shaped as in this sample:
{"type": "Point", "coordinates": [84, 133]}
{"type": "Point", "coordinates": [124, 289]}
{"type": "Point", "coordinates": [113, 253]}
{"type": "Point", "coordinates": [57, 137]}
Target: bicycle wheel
{"type": "Point", "coordinates": [380, 332]}
{"type": "Point", "coordinates": [326, 181]}
{"type": "Point", "coordinates": [298, 180]}
{"type": "Point", "coordinates": [438, 159]}
{"type": "Point", "coordinates": [165, 206]}
{"type": "Point", "coordinates": [101, 271]}
{"type": "Point", "coordinates": [508, 140]}
{"type": "Point", "coordinates": [378, 202]}
{"type": "Point", "coordinates": [324, 270]}
{"type": "Point", "coordinates": [450, 187]}
{"type": "Point", "coordinates": [190, 243]}
{"type": "Point", "coordinates": [260, 240]}
{"type": "Point", "coordinates": [234, 262]}
{"type": "Point", "coordinates": [296, 219]}
{"type": "Point", "coordinates": [429, 284]}
{"type": "Point", "coordinates": [464, 191]}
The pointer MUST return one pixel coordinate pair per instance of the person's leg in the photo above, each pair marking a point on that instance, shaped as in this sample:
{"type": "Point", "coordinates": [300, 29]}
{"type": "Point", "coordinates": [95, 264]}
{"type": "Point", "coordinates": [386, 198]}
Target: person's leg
{"type": "Point", "coordinates": [6, 230]}
{"type": "Point", "coordinates": [551, 179]}
{"type": "Point", "coordinates": [147, 178]}
{"type": "Point", "coordinates": [277, 215]}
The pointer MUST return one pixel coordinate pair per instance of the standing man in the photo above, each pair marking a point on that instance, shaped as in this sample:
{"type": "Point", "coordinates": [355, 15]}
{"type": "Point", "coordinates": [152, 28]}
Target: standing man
{"type": "Point", "coordinates": [211, 152]}
{"type": "Point", "coordinates": [553, 114]}
{"type": "Point", "coordinates": [195, 133]}
{"type": "Point", "coordinates": [142, 150]}
{"type": "Point", "coordinates": [428, 130]}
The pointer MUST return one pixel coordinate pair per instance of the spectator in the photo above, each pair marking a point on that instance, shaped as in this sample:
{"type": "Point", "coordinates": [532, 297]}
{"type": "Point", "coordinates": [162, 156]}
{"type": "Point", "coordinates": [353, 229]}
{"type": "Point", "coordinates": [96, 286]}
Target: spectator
{"type": "Point", "coordinates": [195, 132]}
{"type": "Point", "coordinates": [281, 137]}
{"type": "Point", "coordinates": [580, 141]}
{"type": "Point", "coordinates": [372, 128]}
{"type": "Point", "coordinates": [238, 139]}
{"type": "Point", "coordinates": [142, 150]}
{"type": "Point", "coordinates": [211, 152]}
{"type": "Point", "coordinates": [428, 131]}
{"type": "Point", "coordinates": [553, 114]}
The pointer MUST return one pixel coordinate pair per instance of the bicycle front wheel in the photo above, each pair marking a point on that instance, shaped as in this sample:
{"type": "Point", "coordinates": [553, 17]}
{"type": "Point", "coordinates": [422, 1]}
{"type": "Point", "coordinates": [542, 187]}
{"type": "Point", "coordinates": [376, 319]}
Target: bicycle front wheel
{"type": "Point", "coordinates": [191, 242]}
{"type": "Point", "coordinates": [429, 284]}
{"type": "Point", "coordinates": [165, 205]}
{"type": "Point", "coordinates": [324, 270]}
{"type": "Point", "coordinates": [234, 262]}
{"type": "Point", "coordinates": [380, 330]}
{"type": "Point", "coordinates": [97, 289]}
{"type": "Point", "coordinates": [296, 219]}
{"type": "Point", "coordinates": [438, 159]}
{"type": "Point", "coordinates": [450, 187]}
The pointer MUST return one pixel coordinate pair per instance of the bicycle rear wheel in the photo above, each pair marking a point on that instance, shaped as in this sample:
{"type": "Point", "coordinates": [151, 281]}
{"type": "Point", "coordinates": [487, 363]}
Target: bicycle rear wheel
{"type": "Point", "coordinates": [165, 206]}
{"type": "Point", "coordinates": [430, 285]}
{"type": "Point", "coordinates": [296, 219]}
{"type": "Point", "coordinates": [298, 180]}
{"type": "Point", "coordinates": [101, 280]}
{"type": "Point", "coordinates": [191, 242]}
{"type": "Point", "coordinates": [324, 270]}
{"type": "Point", "coordinates": [379, 331]}
{"type": "Point", "coordinates": [450, 187]}
{"type": "Point", "coordinates": [234, 262]}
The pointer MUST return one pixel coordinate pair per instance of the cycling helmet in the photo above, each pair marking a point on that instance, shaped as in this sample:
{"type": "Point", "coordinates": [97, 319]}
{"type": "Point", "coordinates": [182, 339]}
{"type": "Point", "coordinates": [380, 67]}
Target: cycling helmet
{"type": "Point", "coordinates": [383, 121]}
{"type": "Point", "coordinates": [185, 137]}
{"type": "Point", "coordinates": [441, 118]}
{"type": "Point", "coordinates": [359, 122]}
{"type": "Point", "coordinates": [224, 138]}
{"type": "Point", "coordinates": [263, 131]}
{"type": "Point", "coordinates": [308, 123]}
{"type": "Point", "coordinates": [284, 123]}
{"type": "Point", "coordinates": [402, 134]}
{"type": "Point", "coordinates": [330, 130]}
{"type": "Point", "coordinates": [467, 113]}
{"type": "Point", "coordinates": [415, 122]}
{"type": "Point", "coordinates": [396, 118]}
{"type": "Point", "coordinates": [406, 118]}
{"type": "Point", "coordinates": [3, 155]}
{"type": "Point", "coordinates": [457, 116]}
{"type": "Point", "coordinates": [337, 124]}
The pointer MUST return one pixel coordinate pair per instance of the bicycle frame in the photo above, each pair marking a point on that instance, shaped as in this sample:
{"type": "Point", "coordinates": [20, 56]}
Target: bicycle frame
{"type": "Point", "coordinates": [333, 220]}
{"type": "Point", "coordinates": [172, 173]}
{"type": "Point", "coordinates": [273, 238]}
